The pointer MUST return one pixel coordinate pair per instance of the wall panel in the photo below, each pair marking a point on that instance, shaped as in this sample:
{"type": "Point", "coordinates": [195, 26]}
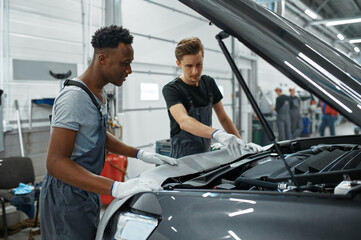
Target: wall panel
{"type": "Point", "coordinates": [46, 31]}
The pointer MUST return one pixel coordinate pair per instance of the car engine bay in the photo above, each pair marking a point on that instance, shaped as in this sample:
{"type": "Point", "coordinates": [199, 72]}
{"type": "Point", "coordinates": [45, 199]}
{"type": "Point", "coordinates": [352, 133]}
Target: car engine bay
{"type": "Point", "coordinates": [323, 168]}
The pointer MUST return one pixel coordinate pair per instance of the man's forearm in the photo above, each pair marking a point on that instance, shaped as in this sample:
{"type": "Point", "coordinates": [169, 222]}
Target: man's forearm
{"type": "Point", "coordinates": [73, 174]}
{"type": "Point", "coordinates": [197, 128]}
{"type": "Point", "coordinates": [229, 127]}
{"type": "Point", "coordinates": [114, 145]}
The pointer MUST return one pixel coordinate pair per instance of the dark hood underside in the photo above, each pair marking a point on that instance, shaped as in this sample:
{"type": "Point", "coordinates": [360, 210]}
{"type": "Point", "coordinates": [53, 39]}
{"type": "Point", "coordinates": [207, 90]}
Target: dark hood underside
{"type": "Point", "coordinates": [305, 59]}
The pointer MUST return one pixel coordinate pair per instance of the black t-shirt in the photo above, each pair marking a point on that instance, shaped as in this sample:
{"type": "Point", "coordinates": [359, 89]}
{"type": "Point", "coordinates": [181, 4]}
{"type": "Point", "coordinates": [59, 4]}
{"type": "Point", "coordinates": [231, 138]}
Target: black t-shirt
{"type": "Point", "coordinates": [280, 100]}
{"type": "Point", "coordinates": [174, 95]}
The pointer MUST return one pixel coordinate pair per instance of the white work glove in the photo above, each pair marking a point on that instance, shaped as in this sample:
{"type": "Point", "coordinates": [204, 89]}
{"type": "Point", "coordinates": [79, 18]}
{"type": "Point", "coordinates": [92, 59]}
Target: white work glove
{"type": "Point", "coordinates": [254, 147]}
{"type": "Point", "coordinates": [230, 141]}
{"type": "Point", "coordinates": [132, 186]}
{"type": "Point", "coordinates": [155, 158]}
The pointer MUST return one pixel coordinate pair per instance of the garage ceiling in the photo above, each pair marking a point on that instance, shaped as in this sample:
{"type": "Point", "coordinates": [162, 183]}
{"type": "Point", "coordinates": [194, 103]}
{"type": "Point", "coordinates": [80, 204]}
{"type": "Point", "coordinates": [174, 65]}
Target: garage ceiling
{"type": "Point", "coordinates": [344, 36]}
{"type": "Point", "coordinates": [327, 12]}
{"type": "Point", "coordinates": [338, 10]}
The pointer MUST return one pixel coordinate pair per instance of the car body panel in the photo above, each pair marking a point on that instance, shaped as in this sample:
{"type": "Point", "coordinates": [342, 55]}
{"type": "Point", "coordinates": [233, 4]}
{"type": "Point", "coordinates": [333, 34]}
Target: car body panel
{"type": "Point", "coordinates": [213, 215]}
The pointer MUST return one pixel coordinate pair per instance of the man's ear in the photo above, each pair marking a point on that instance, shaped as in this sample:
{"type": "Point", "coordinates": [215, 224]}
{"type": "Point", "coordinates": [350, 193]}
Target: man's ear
{"type": "Point", "coordinates": [178, 63]}
{"type": "Point", "coordinates": [101, 58]}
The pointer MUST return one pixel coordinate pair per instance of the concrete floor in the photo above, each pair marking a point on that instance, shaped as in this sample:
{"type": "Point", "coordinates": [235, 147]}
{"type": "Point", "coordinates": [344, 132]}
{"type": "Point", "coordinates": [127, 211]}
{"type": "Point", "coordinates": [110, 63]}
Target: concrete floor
{"type": "Point", "coordinates": [345, 128]}
{"type": "Point", "coordinates": [23, 235]}
{"type": "Point", "coordinates": [341, 129]}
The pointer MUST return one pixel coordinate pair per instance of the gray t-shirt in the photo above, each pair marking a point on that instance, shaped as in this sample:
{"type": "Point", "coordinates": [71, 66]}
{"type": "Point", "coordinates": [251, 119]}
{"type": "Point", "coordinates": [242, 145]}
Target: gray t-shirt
{"type": "Point", "coordinates": [73, 109]}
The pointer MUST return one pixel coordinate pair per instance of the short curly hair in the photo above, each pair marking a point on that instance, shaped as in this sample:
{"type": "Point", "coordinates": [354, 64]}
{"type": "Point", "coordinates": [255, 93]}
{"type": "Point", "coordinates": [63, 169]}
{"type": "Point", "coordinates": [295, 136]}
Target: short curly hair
{"type": "Point", "coordinates": [188, 46]}
{"type": "Point", "coordinates": [110, 37]}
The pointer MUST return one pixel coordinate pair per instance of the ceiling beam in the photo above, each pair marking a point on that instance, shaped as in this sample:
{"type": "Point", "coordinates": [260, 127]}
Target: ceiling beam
{"type": "Point", "coordinates": [321, 6]}
{"type": "Point", "coordinates": [349, 40]}
{"type": "Point", "coordinates": [336, 21]}
{"type": "Point", "coordinates": [357, 5]}
{"type": "Point", "coordinates": [298, 7]}
{"type": "Point", "coordinates": [266, 1]}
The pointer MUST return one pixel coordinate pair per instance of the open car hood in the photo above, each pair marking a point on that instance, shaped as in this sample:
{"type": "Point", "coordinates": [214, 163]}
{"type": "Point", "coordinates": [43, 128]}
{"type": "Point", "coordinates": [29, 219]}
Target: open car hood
{"type": "Point", "coordinates": [308, 61]}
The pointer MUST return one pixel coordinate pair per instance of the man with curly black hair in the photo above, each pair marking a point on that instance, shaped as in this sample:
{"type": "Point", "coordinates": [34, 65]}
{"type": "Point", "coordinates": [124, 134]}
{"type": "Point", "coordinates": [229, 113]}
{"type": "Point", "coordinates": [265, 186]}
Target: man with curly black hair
{"type": "Point", "coordinates": [69, 199]}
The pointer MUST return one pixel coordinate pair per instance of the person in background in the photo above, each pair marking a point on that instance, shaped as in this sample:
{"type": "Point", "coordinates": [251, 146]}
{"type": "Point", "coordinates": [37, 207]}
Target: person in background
{"type": "Point", "coordinates": [295, 113]}
{"type": "Point", "coordinates": [329, 116]}
{"type": "Point", "coordinates": [190, 99]}
{"type": "Point", "coordinates": [283, 115]}
{"type": "Point", "coordinates": [69, 198]}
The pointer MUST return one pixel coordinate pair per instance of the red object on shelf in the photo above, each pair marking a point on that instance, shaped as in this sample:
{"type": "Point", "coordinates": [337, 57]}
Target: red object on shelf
{"type": "Point", "coordinates": [115, 167]}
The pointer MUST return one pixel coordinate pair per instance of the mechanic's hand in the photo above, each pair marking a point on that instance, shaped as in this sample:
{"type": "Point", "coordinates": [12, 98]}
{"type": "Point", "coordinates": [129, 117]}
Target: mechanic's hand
{"type": "Point", "coordinates": [230, 141]}
{"type": "Point", "coordinates": [254, 147]}
{"type": "Point", "coordinates": [132, 186]}
{"type": "Point", "coordinates": [155, 158]}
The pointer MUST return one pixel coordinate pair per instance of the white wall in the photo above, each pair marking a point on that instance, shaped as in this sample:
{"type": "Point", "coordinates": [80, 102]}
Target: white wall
{"type": "Point", "coordinates": [269, 78]}
{"type": "Point", "coordinates": [44, 31]}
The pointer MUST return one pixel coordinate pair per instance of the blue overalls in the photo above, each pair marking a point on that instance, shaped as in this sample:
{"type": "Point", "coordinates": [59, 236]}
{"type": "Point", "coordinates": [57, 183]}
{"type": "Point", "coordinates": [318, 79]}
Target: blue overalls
{"type": "Point", "coordinates": [67, 211]}
{"type": "Point", "coordinates": [185, 143]}
{"type": "Point", "coordinates": [296, 119]}
{"type": "Point", "coordinates": [284, 122]}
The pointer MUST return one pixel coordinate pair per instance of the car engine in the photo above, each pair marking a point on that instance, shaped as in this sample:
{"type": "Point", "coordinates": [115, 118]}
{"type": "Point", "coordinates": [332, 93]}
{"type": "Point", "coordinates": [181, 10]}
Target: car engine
{"type": "Point", "coordinates": [326, 168]}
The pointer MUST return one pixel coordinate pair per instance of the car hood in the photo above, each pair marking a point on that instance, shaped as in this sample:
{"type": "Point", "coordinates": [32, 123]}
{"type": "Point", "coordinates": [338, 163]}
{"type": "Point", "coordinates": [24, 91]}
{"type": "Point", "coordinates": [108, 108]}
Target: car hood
{"type": "Point", "coordinates": [308, 61]}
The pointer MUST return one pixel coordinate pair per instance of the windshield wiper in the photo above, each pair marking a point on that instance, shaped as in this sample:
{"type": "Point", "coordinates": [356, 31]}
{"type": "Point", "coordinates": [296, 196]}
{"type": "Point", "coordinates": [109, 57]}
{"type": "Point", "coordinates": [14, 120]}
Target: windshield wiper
{"type": "Point", "coordinates": [220, 36]}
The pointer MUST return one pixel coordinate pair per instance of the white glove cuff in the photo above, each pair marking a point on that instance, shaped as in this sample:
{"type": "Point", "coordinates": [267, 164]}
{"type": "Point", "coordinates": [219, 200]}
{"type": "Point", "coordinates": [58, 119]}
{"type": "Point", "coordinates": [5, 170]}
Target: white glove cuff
{"type": "Point", "coordinates": [139, 153]}
{"type": "Point", "coordinates": [111, 190]}
{"type": "Point", "coordinates": [216, 133]}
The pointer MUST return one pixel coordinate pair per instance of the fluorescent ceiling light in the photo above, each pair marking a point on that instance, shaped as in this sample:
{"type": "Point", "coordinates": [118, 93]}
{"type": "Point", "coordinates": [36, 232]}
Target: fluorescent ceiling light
{"type": "Point", "coordinates": [355, 41]}
{"type": "Point", "coordinates": [356, 49]}
{"type": "Point", "coordinates": [311, 13]}
{"type": "Point", "coordinates": [344, 21]}
{"type": "Point", "coordinates": [340, 36]}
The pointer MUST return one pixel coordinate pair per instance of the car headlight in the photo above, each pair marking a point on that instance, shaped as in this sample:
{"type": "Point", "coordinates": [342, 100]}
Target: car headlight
{"type": "Point", "coordinates": [134, 226]}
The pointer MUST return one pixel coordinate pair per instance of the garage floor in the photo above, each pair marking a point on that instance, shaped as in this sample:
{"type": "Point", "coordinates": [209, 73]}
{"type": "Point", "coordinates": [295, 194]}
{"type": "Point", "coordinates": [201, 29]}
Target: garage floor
{"type": "Point", "coordinates": [24, 234]}
{"type": "Point", "coordinates": [344, 128]}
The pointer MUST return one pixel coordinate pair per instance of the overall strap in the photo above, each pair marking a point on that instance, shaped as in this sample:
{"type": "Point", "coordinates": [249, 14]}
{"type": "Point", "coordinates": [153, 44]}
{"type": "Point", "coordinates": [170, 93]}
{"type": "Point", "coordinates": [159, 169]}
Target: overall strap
{"type": "Point", "coordinates": [69, 82]}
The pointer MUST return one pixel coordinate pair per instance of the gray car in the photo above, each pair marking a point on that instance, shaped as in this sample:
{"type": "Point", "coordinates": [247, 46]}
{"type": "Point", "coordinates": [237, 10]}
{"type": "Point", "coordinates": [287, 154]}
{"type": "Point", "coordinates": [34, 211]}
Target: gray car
{"type": "Point", "coordinates": [307, 188]}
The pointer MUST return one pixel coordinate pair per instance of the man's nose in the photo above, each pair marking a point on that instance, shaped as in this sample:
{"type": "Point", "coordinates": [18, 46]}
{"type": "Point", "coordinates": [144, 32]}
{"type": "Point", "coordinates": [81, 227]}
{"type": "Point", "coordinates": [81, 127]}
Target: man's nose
{"type": "Point", "coordinates": [129, 69]}
{"type": "Point", "coordinates": [194, 70]}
